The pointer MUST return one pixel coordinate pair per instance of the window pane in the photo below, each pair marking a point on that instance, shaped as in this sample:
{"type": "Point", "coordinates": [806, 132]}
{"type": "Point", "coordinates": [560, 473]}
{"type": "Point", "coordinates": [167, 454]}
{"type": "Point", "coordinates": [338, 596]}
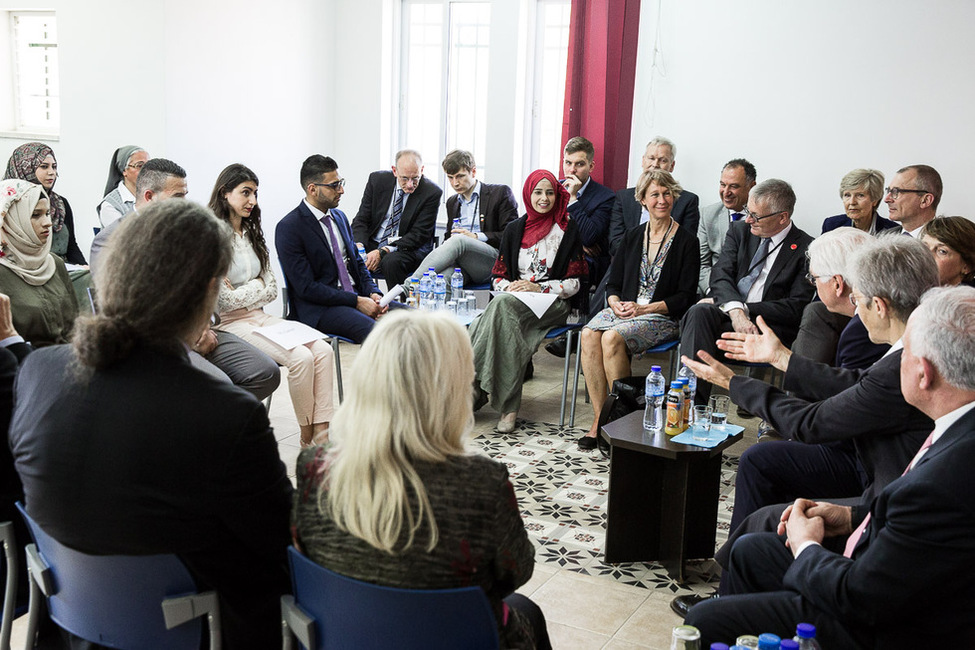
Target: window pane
{"type": "Point", "coordinates": [467, 85]}
{"type": "Point", "coordinates": [36, 70]}
{"type": "Point", "coordinates": [551, 55]}
{"type": "Point", "coordinates": [422, 77]}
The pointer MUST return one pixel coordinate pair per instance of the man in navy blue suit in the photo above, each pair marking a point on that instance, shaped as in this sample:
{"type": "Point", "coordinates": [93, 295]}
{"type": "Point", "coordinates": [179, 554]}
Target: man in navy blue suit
{"type": "Point", "coordinates": [590, 203]}
{"type": "Point", "coordinates": [329, 287]}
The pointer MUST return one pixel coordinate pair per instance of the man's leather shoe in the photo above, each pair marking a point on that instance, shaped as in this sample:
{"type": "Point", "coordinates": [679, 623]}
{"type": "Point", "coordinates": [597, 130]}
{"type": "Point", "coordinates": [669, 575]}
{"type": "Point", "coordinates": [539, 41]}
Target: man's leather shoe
{"type": "Point", "coordinates": [529, 371]}
{"type": "Point", "coordinates": [744, 414]}
{"type": "Point", "coordinates": [682, 604]}
{"type": "Point", "coordinates": [557, 347]}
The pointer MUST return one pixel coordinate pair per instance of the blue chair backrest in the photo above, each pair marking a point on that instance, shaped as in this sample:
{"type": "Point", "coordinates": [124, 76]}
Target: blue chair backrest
{"type": "Point", "coordinates": [351, 613]}
{"type": "Point", "coordinates": [116, 600]}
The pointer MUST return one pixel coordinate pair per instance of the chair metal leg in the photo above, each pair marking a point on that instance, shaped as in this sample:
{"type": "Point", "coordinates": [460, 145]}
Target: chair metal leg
{"type": "Point", "coordinates": [575, 381]}
{"type": "Point", "coordinates": [10, 589]}
{"type": "Point", "coordinates": [565, 376]}
{"type": "Point", "coordinates": [338, 366]}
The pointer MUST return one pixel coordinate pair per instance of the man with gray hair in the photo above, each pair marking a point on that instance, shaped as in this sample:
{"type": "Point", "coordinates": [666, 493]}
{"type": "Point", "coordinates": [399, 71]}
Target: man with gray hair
{"type": "Point", "coordinates": [761, 272]}
{"type": "Point", "coordinates": [660, 153]}
{"type": "Point", "coordinates": [830, 405]}
{"type": "Point", "coordinates": [222, 355]}
{"type": "Point", "coordinates": [913, 196]}
{"type": "Point", "coordinates": [397, 217]}
{"type": "Point", "coordinates": [917, 541]}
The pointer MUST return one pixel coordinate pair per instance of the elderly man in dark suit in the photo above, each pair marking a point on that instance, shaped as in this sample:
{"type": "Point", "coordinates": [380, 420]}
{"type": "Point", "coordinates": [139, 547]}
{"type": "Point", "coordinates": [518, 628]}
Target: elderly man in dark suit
{"type": "Point", "coordinates": [917, 541]}
{"type": "Point", "coordinates": [627, 213]}
{"type": "Point", "coordinates": [397, 217]}
{"type": "Point", "coordinates": [476, 216]}
{"type": "Point", "coordinates": [329, 287]}
{"type": "Point", "coordinates": [761, 272]}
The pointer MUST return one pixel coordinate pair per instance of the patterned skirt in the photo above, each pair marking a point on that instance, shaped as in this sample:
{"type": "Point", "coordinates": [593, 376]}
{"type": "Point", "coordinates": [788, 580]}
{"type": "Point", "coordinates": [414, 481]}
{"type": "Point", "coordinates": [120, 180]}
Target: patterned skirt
{"type": "Point", "coordinates": [640, 332]}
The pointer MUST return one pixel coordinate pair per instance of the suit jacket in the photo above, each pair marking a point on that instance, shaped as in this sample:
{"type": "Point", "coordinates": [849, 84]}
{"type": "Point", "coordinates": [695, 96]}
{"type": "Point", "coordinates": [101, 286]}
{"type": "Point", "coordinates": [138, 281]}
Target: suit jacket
{"type": "Point", "coordinates": [627, 213]}
{"type": "Point", "coordinates": [310, 268]}
{"type": "Point", "coordinates": [786, 291]}
{"type": "Point", "coordinates": [676, 284]}
{"type": "Point", "coordinates": [11, 490]}
{"type": "Point", "coordinates": [153, 456]}
{"type": "Point", "coordinates": [417, 222]}
{"type": "Point", "coordinates": [855, 349]}
{"type": "Point", "coordinates": [839, 404]}
{"type": "Point", "coordinates": [592, 212]}
{"type": "Point", "coordinates": [909, 583]}
{"type": "Point", "coordinates": [712, 230]}
{"type": "Point", "coordinates": [497, 207]}
{"type": "Point", "coordinates": [841, 220]}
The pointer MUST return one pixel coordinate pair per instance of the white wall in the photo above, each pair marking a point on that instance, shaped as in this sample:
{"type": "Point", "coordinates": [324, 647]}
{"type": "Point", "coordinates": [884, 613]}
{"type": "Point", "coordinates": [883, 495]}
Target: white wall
{"type": "Point", "coordinates": [809, 91]}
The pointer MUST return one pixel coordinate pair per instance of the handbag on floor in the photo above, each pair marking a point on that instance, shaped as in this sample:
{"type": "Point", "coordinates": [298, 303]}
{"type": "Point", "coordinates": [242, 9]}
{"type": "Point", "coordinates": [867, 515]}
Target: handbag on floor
{"type": "Point", "coordinates": [627, 395]}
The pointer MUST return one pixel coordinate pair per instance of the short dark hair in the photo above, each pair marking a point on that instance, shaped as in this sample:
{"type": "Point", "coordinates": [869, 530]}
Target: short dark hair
{"type": "Point", "coordinates": [579, 143]}
{"type": "Point", "coordinates": [928, 180]}
{"type": "Point", "coordinates": [750, 173]}
{"type": "Point", "coordinates": [315, 167]}
{"type": "Point", "coordinates": [155, 173]}
{"type": "Point", "coordinates": [457, 160]}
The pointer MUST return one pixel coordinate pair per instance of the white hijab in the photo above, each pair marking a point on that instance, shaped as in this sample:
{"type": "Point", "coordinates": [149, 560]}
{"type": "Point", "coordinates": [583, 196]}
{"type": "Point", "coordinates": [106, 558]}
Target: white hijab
{"type": "Point", "coordinates": [23, 251]}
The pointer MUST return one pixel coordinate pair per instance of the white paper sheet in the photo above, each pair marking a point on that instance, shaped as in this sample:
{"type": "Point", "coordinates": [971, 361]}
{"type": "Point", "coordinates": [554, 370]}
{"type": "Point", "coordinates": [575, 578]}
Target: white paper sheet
{"type": "Point", "coordinates": [289, 334]}
{"type": "Point", "coordinates": [537, 302]}
{"type": "Point", "coordinates": [391, 295]}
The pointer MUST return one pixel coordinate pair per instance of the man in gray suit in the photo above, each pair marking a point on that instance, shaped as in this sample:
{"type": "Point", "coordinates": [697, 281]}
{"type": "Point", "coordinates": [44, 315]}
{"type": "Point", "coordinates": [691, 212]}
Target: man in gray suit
{"type": "Point", "coordinates": [737, 180]}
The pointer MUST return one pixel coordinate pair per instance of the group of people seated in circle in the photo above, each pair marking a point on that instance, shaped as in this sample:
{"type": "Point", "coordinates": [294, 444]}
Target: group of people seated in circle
{"type": "Point", "coordinates": [139, 429]}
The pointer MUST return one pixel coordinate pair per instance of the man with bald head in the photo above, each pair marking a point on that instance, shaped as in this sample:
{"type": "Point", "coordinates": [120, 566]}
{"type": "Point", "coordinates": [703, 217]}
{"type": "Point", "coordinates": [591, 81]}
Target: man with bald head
{"type": "Point", "coordinates": [397, 217]}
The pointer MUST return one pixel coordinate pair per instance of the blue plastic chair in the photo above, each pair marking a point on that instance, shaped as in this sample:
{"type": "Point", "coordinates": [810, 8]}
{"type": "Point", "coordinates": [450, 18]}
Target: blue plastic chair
{"type": "Point", "coordinates": [333, 339]}
{"type": "Point", "coordinates": [674, 348]}
{"type": "Point", "coordinates": [330, 610]}
{"type": "Point", "coordinates": [119, 601]}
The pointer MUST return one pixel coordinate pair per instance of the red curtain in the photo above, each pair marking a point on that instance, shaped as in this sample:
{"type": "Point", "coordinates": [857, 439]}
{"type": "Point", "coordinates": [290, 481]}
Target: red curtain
{"type": "Point", "coordinates": [599, 82]}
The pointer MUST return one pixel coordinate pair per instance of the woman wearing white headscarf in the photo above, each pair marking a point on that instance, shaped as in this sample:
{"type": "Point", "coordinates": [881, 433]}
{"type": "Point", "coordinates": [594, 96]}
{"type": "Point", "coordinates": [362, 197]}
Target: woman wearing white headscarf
{"type": "Point", "coordinates": [41, 296]}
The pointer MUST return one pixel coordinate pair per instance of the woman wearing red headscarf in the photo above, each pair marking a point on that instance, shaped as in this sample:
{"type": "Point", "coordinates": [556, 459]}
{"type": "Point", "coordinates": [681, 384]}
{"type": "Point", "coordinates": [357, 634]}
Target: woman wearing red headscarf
{"type": "Point", "coordinates": [540, 252]}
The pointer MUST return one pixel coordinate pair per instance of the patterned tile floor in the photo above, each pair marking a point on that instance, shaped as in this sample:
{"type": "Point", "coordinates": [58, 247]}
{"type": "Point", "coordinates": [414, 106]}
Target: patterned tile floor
{"type": "Point", "coordinates": [563, 494]}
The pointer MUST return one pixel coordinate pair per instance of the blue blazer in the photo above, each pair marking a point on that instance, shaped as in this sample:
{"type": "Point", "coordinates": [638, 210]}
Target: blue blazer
{"type": "Point", "coordinates": [592, 212]}
{"type": "Point", "coordinates": [310, 268]}
{"type": "Point", "coordinates": [840, 220]}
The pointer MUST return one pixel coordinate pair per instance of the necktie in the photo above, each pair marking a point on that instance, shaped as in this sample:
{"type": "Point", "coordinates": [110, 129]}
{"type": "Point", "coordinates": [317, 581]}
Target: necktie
{"type": "Point", "coordinates": [854, 539]}
{"type": "Point", "coordinates": [736, 216]}
{"type": "Point", "coordinates": [337, 253]}
{"type": "Point", "coordinates": [754, 268]}
{"type": "Point", "coordinates": [393, 227]}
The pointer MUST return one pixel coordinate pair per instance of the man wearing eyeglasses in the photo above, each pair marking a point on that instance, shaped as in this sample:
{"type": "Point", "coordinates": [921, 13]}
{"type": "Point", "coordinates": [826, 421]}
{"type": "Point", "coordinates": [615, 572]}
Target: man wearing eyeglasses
{"type": "Point", "coordinates": [913, 196]}
{"type": "Point", "coordinates": [761, 272]}
{"type": "Point", "coordinates": [329, 287]}
{"type": "Point", "coordinates": [397, 217]}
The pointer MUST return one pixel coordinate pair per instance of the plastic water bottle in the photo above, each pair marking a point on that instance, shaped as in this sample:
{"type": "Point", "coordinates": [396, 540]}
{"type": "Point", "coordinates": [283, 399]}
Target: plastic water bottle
{"type": "Point", "coordinates": [456, 224]}
{"type": "Point", "coordinates": [426, 291]}
{"type": "Point", "coordinates": [457, 284]}
{"type": "Point", "coordinates": [653, 415]}
{"type": "Point", "coordinates": [806, 636]}
{"type": "Point", "coordinates": [362, 252]}
{"type": "Point", "coordinates": [440, 292]}
{"type": "Point", "coordinates": [688, 374]}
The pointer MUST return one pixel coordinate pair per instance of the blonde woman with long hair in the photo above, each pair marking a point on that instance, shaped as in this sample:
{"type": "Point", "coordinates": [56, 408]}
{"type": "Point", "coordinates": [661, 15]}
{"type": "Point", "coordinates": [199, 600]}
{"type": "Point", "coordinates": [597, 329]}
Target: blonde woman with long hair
{"type": "Point", "coordinates": [397, 498]}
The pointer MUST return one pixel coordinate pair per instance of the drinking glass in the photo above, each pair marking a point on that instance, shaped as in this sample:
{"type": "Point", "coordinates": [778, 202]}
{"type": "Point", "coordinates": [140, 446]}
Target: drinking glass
{"type": "Point", "coordinates": [719, 405]}
{"type": "Point", "coordinates": [702, 422]}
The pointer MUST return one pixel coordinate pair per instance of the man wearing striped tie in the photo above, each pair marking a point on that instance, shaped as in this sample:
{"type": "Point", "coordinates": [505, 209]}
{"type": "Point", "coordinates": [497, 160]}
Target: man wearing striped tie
{"type": "Point", "coordinates": [904, 579]}
{"type": "Point", "coordinates": [397, 217]}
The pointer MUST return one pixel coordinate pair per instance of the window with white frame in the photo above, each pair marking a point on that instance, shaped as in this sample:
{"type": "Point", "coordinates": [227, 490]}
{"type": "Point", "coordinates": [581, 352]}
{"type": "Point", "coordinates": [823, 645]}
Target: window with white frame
{"type": "Point", "coordinates": [551, 50]}
{"type": "Point", "coordinates": [444, 78]}
{"type": "Point", "coordinates": [31, 63]}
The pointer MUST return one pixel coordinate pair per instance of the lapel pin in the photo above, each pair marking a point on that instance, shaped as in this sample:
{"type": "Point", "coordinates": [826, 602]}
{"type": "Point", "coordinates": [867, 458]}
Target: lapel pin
{"type": "Point", "coordinates": [794, 247]}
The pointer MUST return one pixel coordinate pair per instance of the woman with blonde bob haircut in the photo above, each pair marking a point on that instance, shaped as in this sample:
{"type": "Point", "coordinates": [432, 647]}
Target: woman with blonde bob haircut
{"type": "Point", "coordinates": [397, 499]}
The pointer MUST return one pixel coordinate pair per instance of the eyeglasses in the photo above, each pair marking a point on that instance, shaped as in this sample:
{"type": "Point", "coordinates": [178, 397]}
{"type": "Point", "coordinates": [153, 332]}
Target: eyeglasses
{"type": "Point", "coordinates": [409, 179]}
{"type": "Point", "coordinates": [854, 301]}
{"type": "Point", "coordinates": [754, 217]}
{"type": "Point", "coordinates": [813, 279]}
{"type": "Point", "coordinates": [137, 165]}
{"type": "Point", "coordinates": [332, 186]}
{"type": "Point", "coordinates": [896, 191]}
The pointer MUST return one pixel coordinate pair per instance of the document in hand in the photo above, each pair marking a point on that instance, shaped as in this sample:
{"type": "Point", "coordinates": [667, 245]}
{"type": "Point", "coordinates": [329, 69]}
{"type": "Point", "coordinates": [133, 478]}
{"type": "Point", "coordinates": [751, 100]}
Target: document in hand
{"type": "Point", "coordinates": [289, 334]}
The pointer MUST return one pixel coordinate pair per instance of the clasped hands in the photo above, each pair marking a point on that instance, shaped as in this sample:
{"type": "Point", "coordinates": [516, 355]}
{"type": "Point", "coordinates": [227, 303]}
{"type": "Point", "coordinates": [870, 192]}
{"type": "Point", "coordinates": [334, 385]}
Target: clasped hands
{"type": "Point", "coordinates": [524, 285]}
{"type": "Point", "coordinates": [812, 521]}
{"type": "Point", "coordinates": [761, 347]}
{"type": "Point", "coordinates": [628, 308]}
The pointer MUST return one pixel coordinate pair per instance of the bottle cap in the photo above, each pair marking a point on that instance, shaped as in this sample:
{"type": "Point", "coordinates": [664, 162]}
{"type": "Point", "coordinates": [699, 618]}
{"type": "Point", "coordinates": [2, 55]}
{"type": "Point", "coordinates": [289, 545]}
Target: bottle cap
{"type": "Point", "coordinates": [440, 276]}
{"type": "Point", "coordinates": [719, 646]}
{"type": "Point", "coordinates": [654, 368]}
{"type": "Point", "coordinates": [457, 270]}
{"type": "Point", "coordinates": [768, 640]}
{"type": "Point", "coordinates": [789, 644]}
{"type": "Point", "coordinates": [675, 384]}
{"type": "Point", "coordinates": [806, 630]}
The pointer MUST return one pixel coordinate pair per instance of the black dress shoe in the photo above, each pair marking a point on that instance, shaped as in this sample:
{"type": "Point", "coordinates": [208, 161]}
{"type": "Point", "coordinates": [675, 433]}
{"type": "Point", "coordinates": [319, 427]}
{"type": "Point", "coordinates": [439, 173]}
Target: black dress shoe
{"type": "Point", "coordinates": [682, 604]}
{"type": "Point", "coordinates": [529, 371]}
{"type": "Point", "coordinates": [557, 347]}
{"type": "Point", "coordinates": [588, 443]}
{"type": "Point", "coordinates": [744, 414]}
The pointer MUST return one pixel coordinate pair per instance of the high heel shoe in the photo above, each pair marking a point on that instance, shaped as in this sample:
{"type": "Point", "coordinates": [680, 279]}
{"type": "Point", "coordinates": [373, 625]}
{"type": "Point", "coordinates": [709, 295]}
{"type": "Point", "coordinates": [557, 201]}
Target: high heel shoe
{"type": "Point", "coordinates": [507, 422]}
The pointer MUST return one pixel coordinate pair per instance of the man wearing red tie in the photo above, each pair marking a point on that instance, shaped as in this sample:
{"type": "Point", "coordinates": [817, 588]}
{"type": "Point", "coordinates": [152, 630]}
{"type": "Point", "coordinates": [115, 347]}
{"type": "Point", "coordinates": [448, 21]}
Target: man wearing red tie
{"type": "Point", "coordinates": [905, 577]}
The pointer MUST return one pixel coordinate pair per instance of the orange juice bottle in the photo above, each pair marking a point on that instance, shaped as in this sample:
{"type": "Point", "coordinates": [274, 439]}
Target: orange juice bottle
{"type": "Point", "coordinates": [675, 409]}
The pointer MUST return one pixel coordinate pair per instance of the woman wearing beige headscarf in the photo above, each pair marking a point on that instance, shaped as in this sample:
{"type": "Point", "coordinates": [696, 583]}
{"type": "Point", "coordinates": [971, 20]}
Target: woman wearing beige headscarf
{"type": "Point", "coordinates": [41, 296]}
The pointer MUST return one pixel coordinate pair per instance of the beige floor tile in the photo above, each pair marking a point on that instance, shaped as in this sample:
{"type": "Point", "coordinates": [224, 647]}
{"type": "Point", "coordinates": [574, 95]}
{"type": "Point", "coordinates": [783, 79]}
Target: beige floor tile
{"type": "Point", "coordinates": [616, 644]}
{"type": "Point", "coordinates": [651, 624]}
{"type": "Point", "coordinates": [600, 606]}
{"type": "Point", "coordinates": [566, 637]}
{"type": "Point", "coordinates": [540, 576]}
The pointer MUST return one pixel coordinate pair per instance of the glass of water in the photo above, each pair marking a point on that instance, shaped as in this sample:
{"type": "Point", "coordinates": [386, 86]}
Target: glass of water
{"type": "Point", "coordinates": [702, 422]}
{"type": "Point", "coordinates": [719, 405]}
